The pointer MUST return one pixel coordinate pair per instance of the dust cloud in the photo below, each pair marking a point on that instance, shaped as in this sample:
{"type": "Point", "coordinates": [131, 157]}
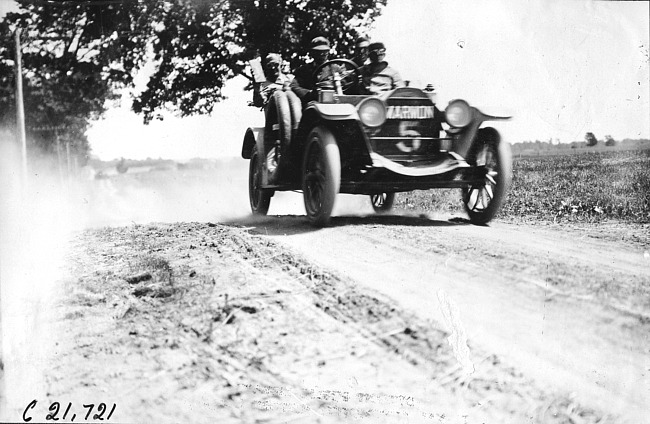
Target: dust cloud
{"type": "Point", "coordinates": [44, 208]}
{"type": "Point", "coordinates": [210, 191]}
{"type": "Point", "coordinates": [36, 223]}
{"type": "Point", "coordinates": [204, 191]}
{"type": "Point", "coordinates": [292, 203]}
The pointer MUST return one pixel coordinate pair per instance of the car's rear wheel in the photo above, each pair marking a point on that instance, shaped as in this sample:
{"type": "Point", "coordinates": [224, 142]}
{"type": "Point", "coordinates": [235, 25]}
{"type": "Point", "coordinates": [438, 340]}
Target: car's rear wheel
{"type": "Point", "coordinates": [321, 175]}
{"type": "Point", "coordinates": [493, 158]}
{"type": "Point", "coordinates": [382, 202]}
{"type": "Point", "coordinates": [260, 199]}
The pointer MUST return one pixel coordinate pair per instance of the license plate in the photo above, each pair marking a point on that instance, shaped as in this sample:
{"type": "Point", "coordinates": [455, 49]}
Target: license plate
{"type": "Point", "coordinates": [409, 112]}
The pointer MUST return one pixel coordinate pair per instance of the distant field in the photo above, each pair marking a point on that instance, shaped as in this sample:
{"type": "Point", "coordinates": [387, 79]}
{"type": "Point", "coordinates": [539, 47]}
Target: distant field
{"type": "Point", "coordinates": [521, 150]}
{"type": "Point", "coordinates": [592, 186]}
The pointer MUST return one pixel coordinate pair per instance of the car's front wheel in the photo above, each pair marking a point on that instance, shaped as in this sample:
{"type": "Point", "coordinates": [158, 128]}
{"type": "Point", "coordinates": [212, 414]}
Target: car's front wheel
{"type": "Point", "coordinates": [260, 199]}
{"type": "Point", "coordinates": [493, 159]}
{"type": "Point", "coordinates": [321, 175]}
{"type": "Point", "coordinates": [382, 202]}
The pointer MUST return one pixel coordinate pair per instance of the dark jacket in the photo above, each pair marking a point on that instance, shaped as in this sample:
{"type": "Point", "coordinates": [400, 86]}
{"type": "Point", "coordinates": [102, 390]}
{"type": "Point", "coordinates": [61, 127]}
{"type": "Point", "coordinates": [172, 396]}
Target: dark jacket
{"type": "Point", "coordinates": [359, 61]}
{"type": "Point", "coordinates": [303, 82]}
{"type": "Point", "coordinates": [305, 85]}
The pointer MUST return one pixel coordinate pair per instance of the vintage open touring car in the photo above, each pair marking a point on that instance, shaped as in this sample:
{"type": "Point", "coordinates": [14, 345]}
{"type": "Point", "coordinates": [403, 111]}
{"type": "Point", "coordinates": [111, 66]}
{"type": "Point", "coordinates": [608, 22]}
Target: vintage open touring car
{"type": "Point", "coordinates": [374, 145]}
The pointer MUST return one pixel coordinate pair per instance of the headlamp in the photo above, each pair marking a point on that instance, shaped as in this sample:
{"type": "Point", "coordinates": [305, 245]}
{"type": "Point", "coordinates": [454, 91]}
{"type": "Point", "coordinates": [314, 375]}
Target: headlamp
{"type": "Point", "coordinates": [458, 113]}
{"type": "Point", "coordinates": [372, 112]}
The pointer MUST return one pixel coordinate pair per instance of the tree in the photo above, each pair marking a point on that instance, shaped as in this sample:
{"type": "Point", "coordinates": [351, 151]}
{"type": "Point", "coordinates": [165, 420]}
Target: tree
{"type": "Point", "coordinates": [69, 53]}
{"type": "Point", "coordinates": [591, 140]}
{"type": "Point", "coordinates": [609, 141]}
{"type": "Point", "coordinates": [198, 45]}
{"type": "Point", "coordinates": [78, 54]}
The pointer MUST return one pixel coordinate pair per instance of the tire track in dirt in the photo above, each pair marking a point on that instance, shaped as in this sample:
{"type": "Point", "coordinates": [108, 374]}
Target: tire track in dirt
{"type": "Point", "coordinates": [564, 342]}
{"type": "Point", "coordinates": [491, 380]}
{"type": "Point", "coordinates": [233, 327]}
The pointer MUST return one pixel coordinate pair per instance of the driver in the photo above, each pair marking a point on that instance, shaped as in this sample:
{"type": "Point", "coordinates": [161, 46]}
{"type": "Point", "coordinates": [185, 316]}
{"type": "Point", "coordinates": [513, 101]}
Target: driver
{"type": "Point", "coordinates": [361, 51]}
{"type": "Point", "coordinates": [303, 83]}
{"type": "Point", "coordinates": [377, 75]}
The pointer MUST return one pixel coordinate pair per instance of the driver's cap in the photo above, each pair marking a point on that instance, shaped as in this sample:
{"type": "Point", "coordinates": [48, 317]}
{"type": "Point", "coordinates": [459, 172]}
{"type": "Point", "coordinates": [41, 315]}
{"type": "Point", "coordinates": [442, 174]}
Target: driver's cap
{"type": "Point", "coordinates": [376, 46]}
{"type": "Point", "coordinates": [320, 43]}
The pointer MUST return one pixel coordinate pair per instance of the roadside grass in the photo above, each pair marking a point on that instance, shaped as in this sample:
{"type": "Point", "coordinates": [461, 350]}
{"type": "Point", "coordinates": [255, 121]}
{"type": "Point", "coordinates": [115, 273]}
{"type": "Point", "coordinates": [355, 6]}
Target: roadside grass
{"type": "Point", "coordinates": [589, 187]}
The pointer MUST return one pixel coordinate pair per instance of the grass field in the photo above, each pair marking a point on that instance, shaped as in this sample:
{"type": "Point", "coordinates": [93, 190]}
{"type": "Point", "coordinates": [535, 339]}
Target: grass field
{"type": "Point", "coordinates": [590, 187]}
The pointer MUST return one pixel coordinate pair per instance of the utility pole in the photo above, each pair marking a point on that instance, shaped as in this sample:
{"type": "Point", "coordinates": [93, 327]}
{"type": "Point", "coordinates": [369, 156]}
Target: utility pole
{"type": "Point", "coordinates": [67, 154]}
{"type": "Point", "coordinates": [20, 109]}
{"type": "Point", "coordinates": [20, 121]}
{"type": "Point", "coordinates": [58, 155]}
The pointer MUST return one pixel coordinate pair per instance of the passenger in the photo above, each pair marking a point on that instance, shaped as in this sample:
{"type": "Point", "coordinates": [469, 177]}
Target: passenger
{"type": "Point", "coordinates": [377, 75]}
{"type": "Point", "coordinates": [361, 51]}
{"type": "Point", "coordinates": [303, 83]}
{"type": "Point", "coordinates": [275, 79]}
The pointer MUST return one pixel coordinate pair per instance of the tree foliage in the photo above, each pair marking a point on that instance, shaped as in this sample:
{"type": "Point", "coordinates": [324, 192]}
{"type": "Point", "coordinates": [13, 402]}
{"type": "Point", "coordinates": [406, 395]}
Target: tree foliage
{"type": "Point", "coordinates": [199, 44]}
{"type": "Point", "coordinates": [77, 54]}
{"type": "Point", "coordinates": [70, 68]}
{"type": "Point", "coordinates": [591, 139]}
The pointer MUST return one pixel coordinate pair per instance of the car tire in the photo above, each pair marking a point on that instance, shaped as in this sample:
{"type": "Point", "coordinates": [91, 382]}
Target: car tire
{"type": "Point", "coordinates": [295, 108]}
{"type": "Point", "coordinates": [382, 202]}
{"type": "Point", "coordinates": [483, 201]}
{"type": "Point", "coordinates": [260, 199]}
{"type": "Point", "coordinates": [278, 127]}
{"type": "Point", "coordinates": [321, 175]}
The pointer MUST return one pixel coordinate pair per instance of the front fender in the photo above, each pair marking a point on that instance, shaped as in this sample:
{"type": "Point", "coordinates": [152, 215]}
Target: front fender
{"type": "Point", "coordinates": [253, 136]}
{"type": "Point", "coordinates": [333, 111]}
{"type": "Point", "coordinates": [464, 138]}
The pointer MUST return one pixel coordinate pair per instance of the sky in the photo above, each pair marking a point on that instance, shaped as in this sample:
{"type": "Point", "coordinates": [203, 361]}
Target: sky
{"type": "Point", "coordinates": [560, 68]}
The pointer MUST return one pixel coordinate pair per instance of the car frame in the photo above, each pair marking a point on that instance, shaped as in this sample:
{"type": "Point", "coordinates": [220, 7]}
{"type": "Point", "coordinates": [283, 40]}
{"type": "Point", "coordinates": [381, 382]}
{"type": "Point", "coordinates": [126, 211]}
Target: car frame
{"type": "Point", "coordinates": [375, 145]}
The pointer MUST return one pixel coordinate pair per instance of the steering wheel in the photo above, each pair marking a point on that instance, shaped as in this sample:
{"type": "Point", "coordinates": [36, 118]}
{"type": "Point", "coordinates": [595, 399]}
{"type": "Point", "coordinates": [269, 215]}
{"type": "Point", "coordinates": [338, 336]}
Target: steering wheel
{"type": "Point", "coordinates": [325, 75]}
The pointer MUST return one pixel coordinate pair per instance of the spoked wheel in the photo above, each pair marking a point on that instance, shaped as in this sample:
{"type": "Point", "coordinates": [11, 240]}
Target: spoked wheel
{"type": "Point", "coordinates": [494, 159]}
{"type": "Point", "coordinates": [260, 199]}
{"type": "Point", "coordinates": [382, 202]}
{"type": "Point", "coordinates": [321, 175]}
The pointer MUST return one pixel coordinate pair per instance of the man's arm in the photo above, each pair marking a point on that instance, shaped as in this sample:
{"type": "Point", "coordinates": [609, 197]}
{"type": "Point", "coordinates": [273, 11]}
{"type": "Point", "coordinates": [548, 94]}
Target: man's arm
{"type": "Point", "coordinates": [296, 88]}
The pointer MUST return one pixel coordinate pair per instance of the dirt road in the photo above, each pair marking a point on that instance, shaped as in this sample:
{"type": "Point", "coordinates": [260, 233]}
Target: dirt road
{"type": "Point", "coordinates": [393, 318]}
{"type": "Point", "coordinates": [565, 306]}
